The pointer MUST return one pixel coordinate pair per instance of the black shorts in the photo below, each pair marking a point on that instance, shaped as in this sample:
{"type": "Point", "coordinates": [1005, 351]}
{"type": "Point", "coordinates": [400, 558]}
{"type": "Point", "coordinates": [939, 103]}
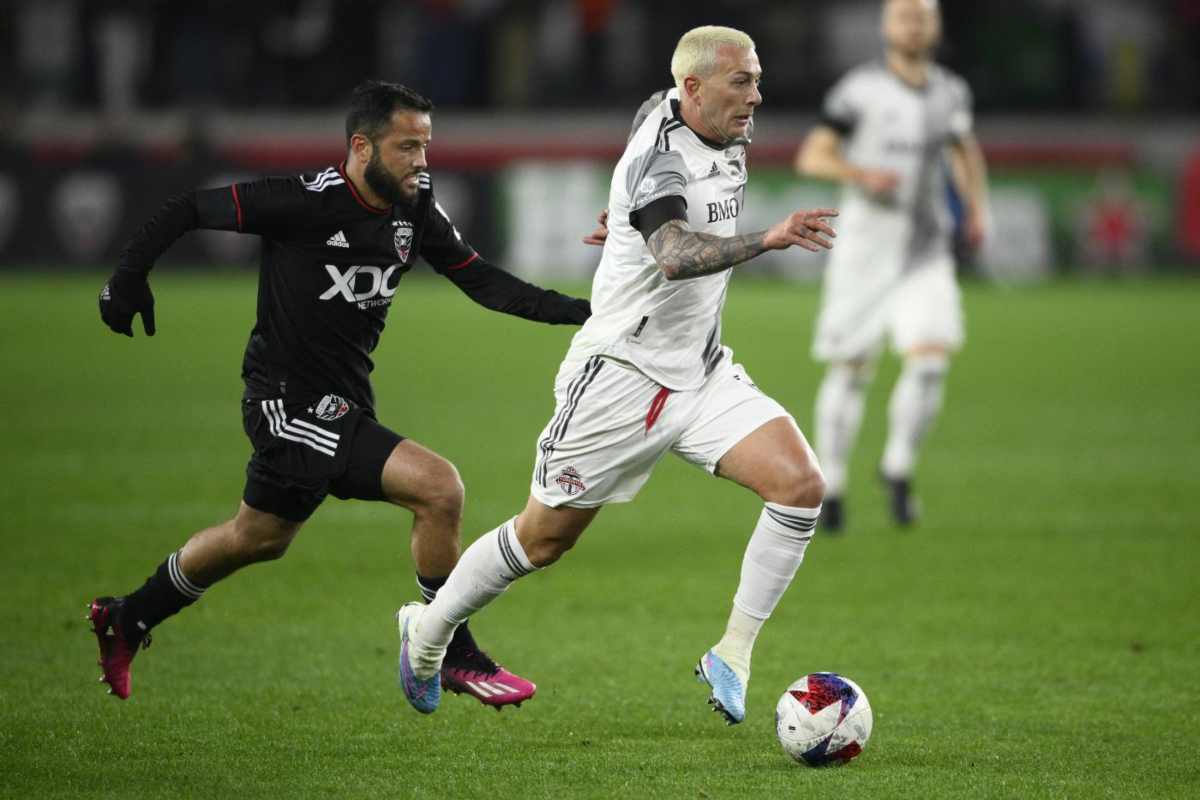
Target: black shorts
{"type": "Point", "coordinates": [305, 450]}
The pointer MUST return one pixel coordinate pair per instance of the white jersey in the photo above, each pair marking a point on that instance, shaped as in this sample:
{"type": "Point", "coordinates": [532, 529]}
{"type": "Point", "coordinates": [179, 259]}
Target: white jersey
{"type": "Point", "coordinates": [888, 124]}
{"type": "Point", "coordinates": [668, 330]}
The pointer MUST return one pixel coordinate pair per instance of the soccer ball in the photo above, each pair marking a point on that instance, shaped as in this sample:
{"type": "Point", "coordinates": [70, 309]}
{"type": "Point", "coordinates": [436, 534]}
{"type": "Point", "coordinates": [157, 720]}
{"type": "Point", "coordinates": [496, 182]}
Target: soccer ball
{"type": "Point", "coordinates": [823, 719]}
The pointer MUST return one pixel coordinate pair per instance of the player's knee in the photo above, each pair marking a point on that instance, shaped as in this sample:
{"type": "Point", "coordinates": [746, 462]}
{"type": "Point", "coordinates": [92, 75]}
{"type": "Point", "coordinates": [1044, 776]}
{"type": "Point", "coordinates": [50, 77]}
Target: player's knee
{"type": "Point", "coordinates": [263, 540]}
{"type": "Point", "coordinates": [444, 494]}
{"type": "Point", "coordinates": [545, 550]}
{"type": "Point", "coordinates": [929, 362]}
{"type": "Point", "coordinates": [856, 373]}
{"type": "Point", "coordinates": [550, 544]}
{"type": "Point", "coordinates": [271, 549]}
{"type": "Point", "coordinates": [800, 485]}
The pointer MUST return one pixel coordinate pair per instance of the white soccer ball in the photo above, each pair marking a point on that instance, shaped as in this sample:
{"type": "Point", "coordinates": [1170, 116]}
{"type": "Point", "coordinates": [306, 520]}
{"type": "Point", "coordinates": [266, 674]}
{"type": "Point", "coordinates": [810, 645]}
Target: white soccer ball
{"type": "Point", "coordinates": [823, 719]}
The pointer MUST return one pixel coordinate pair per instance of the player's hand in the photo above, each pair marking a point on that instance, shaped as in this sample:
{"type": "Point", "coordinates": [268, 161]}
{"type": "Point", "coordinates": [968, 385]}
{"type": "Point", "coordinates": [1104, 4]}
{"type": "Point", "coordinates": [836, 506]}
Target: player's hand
{"type": "Point", "coordinates": [879, 183]}
{"type": "Point", "coordinates": [975, 230]}
{"type": "Point", "coordinates": [598, 236]}
{"type": "Point", "coordinates": [807, 229]}
{"type": "Point", "coordinates": [127, 294]}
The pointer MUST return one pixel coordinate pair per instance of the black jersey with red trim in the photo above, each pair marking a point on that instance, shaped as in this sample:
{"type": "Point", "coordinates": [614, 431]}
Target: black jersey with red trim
{"type": "Point", "coordinates": [331, 264]}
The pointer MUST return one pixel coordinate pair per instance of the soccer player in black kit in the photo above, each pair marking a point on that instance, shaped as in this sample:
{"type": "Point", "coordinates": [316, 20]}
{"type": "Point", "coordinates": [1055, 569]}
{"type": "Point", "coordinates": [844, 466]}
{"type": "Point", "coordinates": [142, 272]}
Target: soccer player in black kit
{"type": "Point", "coordinates": [335, 245]}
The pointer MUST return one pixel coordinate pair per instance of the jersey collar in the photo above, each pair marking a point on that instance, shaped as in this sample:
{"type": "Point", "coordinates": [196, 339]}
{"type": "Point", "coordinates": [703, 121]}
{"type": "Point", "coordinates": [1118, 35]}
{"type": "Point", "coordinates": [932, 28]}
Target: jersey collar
{"type": "Point", "coordinates": [356, 195]}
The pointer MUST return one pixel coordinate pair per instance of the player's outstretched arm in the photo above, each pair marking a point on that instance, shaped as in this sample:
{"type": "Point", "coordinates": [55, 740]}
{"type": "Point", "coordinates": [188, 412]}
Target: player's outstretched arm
{"type": "Point", "coordinates": [970, 178]}
{"type": "Point", "coordinates": [253, 207]}
{"type": "Point", "coordinates": [820, 156]}
{"type": "Point", "coordinates": [682, 253]}
{"type": "Point", "coordinates": [127, 293]}
{"type": "Point", "coordinates": [495, 289]}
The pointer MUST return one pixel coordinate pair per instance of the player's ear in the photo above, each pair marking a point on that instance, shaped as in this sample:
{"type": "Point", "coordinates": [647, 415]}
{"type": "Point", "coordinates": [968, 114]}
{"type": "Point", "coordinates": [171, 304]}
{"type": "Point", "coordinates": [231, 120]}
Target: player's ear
{"type": "Point", "coordinates": [691, 88]}
{"type": "Point", "coordinates": [360, 147]}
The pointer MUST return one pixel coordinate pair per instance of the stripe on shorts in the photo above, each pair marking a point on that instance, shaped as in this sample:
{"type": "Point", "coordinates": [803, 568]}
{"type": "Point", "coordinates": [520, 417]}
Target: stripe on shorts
{"type": "Point", "coordinates": [558, 426]}
{"type": "Point", "coordinates": [299, 431]}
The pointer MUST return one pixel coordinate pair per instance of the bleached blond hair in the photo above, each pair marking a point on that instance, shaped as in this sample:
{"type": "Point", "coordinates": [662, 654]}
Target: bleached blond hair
{"type": "Point", "coordinates": [696, 53]}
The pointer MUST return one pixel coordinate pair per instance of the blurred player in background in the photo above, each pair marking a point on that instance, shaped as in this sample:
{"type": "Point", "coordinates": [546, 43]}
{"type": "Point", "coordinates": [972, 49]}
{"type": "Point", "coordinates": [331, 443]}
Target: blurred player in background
{"type": "Point", "coordinates": [886, 129]}
{"type": "Point", "coordinates": [648, 375]}
{"type": "Point", "coordinates": [335, 246]}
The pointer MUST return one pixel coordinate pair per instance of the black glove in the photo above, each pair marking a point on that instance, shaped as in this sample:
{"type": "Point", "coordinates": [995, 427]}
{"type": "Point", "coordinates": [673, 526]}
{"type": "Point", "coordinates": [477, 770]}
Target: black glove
{"type": "Point", "coordinates": [127, 293]}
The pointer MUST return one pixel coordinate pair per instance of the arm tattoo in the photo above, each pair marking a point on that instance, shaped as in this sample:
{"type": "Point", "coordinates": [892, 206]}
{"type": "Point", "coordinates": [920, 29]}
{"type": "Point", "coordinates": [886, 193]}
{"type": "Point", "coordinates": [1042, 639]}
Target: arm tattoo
{"type": "Point", "coordinates": [682, 253]}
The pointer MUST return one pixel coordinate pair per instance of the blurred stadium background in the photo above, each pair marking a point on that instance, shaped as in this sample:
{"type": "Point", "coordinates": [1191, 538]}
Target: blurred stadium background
{"type": "Point", "coordinates": [1036, 636]}
{"type": "Point", "coordinates": [1088, 111]}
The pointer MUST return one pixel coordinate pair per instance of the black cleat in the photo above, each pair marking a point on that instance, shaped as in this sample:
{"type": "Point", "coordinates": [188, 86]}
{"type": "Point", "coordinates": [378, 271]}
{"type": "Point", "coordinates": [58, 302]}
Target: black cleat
{"type": "Point", "coordinates": [832, 516]}
{"type": "Point", "coordinates": [904, 506]}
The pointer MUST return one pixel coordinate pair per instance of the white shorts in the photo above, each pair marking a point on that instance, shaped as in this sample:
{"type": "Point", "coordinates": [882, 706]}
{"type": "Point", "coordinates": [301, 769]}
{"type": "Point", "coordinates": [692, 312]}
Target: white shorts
{"type": "Point", "coordinates": [612, 424]}
{"type": "Point", "coordinates": [869, 300]}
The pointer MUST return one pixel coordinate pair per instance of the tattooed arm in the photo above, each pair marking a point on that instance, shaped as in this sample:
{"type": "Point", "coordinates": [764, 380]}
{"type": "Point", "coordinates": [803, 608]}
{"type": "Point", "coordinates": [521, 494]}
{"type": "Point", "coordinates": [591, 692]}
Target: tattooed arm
{"type": "Point", "coordinates": [682, 253]}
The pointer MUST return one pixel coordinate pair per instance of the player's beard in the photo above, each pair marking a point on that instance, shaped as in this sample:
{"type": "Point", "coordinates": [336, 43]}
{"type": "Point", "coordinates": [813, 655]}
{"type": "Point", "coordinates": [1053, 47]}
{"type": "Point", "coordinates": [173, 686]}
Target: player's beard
{"type": "Point", "coordinates": [385, 184]}
{"type": "Point", "coordinates": [732, 139]}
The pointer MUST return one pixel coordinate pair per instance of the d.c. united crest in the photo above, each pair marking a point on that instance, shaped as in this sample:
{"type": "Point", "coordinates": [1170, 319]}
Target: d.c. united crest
{"type": "Point", "coordinates": [402, 237]}
{"type": "Point", "coordinates": [330, 408]}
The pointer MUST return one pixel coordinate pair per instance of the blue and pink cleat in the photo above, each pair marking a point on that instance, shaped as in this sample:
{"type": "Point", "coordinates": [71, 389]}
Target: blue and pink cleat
{"type": "Point", "coordinates": [464, 671]}
{"type": "Point", "coordinates": [423, 693]}
{"type": "Point", "coordinates": [728, 689]}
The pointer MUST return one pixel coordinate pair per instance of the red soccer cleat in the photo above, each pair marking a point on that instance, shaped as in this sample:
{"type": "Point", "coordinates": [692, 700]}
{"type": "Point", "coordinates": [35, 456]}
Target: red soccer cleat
{"type": "Point", "coordinates": [116, 654]}
{"type": "Point", "coordinates": [473, 672]}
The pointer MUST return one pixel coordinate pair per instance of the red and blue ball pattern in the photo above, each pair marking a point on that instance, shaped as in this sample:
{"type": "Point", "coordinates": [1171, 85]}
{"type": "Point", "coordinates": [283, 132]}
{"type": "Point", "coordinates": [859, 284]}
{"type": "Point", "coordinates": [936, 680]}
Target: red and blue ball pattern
{"type": "Point", "coordinates": [811, 719]}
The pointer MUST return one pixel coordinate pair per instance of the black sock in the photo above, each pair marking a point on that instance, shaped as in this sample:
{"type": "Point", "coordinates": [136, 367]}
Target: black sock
{"type": "Point", "coordinates": [165, 593]}
{"type": "Point", "coordinates": [462, 639]}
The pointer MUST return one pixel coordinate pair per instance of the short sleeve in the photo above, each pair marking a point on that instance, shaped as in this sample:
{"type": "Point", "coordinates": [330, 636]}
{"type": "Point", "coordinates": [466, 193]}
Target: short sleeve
{"type": "Point", "coordinates": [840, 109]}
{"type": "Point", "coordinates": [655, 175]}
{"type": "Point", "coordinates": [649, 104]}
{"type": "Point", "coordinates": [962, 117]}
{"type": "Point", "coordinates": [441, 243]}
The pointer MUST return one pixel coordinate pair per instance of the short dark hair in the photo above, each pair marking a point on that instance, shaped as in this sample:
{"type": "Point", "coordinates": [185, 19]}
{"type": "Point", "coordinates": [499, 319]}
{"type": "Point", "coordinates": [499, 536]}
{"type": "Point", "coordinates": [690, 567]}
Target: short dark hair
{"type": "Point", "coordinates": [372, 104]}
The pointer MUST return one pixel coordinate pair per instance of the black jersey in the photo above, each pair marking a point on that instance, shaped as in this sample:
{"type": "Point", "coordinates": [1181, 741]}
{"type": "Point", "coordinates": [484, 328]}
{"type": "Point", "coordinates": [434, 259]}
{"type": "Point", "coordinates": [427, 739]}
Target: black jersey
{"type": "Point", "coordinates": [331, 264]}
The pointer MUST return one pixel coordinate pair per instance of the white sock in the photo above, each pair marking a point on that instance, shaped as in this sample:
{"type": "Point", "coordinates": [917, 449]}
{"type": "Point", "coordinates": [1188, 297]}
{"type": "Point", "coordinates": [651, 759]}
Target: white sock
{"type": "Point", "coordinates": [838, 417]}
{"type": "Point", "coordinates": [772, 557]}
{"type": "Point", "coordinates": [489, 565]}
{"type": "Point", "coordinates": [915, 402]}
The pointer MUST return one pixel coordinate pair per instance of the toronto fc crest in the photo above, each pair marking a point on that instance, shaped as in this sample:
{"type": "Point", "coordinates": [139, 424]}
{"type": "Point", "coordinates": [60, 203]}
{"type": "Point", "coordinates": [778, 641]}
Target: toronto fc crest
{"type": "Point", "coordinates": [570, 481]}
{"type": "Point", "coordinates": [403, 238]}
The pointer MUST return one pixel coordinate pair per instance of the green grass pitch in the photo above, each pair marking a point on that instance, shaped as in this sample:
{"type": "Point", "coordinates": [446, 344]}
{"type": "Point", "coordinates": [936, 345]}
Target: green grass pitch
{"type": "Point", "coordinates": [1037, 636]}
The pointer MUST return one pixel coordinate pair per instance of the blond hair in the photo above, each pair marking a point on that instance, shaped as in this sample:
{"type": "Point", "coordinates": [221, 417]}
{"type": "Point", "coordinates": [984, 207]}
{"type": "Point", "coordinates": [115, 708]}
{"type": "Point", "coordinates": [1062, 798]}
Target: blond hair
{"type": "Point", "coordinates": [696, 53]}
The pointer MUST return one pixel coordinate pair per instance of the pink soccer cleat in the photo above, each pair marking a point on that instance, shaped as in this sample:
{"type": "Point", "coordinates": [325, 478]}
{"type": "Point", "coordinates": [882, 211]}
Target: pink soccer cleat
{"type": "Point", "coordinates": [473, 672]}
{"type": "Point", "coordinates": [116, 654]}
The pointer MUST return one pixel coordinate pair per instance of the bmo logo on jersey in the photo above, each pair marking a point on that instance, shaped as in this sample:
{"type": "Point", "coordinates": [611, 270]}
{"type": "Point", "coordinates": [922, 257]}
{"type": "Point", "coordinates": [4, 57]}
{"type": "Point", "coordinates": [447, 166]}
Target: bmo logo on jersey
{"type": "Point", "coordinates": [366, 286]}
{"type": "Point", "coordinates": [726, 209]}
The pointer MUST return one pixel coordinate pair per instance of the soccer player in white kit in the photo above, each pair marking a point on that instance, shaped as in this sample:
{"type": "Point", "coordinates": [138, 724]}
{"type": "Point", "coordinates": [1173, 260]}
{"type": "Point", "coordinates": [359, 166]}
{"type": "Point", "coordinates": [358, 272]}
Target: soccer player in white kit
{"type": "Point", "coordinates": [648, 374]}
{"type": "Point", "coordinates": [887, 127]}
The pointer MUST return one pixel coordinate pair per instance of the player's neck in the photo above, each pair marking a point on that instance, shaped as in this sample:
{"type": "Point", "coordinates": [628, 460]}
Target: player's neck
{"type": "Point", "coordinates": [354, 173]}
{"type": "Point", "coordinates": [912, 69]}
{"type": "Point", "coordinates": [695, 120]}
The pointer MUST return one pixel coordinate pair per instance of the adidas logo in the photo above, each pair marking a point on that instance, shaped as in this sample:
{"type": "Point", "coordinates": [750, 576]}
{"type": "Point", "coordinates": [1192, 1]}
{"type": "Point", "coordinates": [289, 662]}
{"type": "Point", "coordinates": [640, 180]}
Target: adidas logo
{"type": "Point", "coordinates": [339, 238]}
{"type": "Point", "coordinates": [493, 689]}
{"type": "Point", "coordinates": [715, 171]}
